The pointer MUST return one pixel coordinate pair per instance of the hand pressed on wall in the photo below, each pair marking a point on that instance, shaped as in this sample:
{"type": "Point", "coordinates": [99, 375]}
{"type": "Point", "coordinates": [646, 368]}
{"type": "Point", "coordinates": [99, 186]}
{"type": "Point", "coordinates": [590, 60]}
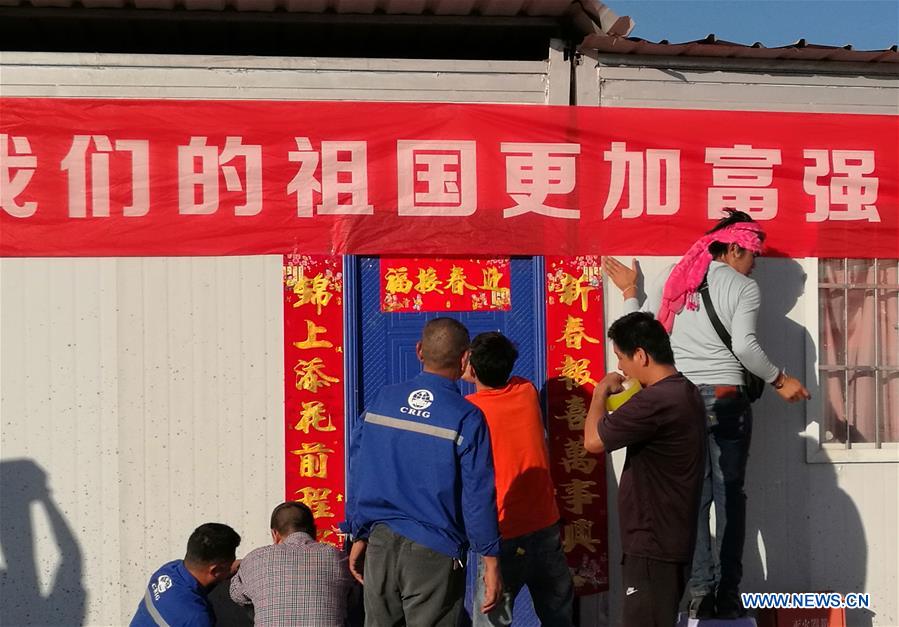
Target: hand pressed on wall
{"type": "Point", "coordinates": [624, 278]}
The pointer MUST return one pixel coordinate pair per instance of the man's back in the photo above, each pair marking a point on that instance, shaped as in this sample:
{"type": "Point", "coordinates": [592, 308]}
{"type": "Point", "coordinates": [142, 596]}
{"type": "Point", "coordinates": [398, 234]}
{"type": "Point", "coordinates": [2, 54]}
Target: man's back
{"type": "Point", "coordinates": [421, 490]}
{"type": "Point", "coordinates": [698, 350]}
{"type": "Point", "coordinates": [296, 582]}
{"type": "Point", "coordinates": [525, 495]}
{"type": "Point", "coordinates": [174, 596]}
{"type": "Point", "coordinates": [428, 445]}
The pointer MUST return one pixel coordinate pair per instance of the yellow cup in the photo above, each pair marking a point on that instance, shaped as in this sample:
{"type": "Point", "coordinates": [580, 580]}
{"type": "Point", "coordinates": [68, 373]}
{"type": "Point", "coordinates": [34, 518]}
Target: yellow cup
{"type": "Point", "coordinates": [614, 401]}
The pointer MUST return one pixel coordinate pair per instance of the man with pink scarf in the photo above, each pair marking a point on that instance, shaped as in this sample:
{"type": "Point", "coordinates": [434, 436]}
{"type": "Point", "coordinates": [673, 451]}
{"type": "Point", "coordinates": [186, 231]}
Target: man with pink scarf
{"type": "Point", "coordinates": [721, 260]}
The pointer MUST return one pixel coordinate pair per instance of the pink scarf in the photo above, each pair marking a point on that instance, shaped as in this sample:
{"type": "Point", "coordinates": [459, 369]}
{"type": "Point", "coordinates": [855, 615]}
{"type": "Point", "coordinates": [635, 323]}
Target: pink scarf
{"type": "Point", "coordinates": [686, 277]}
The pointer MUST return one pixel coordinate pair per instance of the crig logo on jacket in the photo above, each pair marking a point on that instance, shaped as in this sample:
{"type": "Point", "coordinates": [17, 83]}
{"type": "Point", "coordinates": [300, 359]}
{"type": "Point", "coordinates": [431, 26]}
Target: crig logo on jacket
{"type": "Point", "coordinates": [162, 584]}
{"type": "Point", "coordinates": [419, 401]}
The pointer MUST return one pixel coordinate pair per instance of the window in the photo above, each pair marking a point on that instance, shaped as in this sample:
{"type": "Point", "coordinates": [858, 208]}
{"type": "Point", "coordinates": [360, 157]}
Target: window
{"type": "Point", "coordinates": [858, 359]}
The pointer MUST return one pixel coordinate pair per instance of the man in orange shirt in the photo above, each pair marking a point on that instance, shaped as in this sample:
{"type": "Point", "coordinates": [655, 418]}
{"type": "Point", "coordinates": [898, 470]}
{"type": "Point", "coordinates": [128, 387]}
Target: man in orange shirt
{"type": "Point", "coordinates": [531, 550]}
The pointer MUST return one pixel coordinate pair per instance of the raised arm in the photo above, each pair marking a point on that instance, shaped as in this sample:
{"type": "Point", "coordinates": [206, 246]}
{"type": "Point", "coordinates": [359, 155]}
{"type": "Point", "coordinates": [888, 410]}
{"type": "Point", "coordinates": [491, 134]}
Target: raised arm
{"type": "Point", "coordinates": [625, 279]}
{"type": "Point", "coordinates": [750, 353]}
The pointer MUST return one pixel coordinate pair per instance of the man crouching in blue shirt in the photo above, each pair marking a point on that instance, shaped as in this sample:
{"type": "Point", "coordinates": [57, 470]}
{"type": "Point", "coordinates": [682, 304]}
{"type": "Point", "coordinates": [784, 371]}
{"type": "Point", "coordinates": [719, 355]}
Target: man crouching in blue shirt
{"type": "Point", "coordinates": [422, 490]}
{"type": "Point", "coordinates": [176, 593]}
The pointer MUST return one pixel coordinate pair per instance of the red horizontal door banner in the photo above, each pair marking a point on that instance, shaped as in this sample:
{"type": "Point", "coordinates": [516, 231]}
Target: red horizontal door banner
{"type": "Point", "coordinates": [313, 398]}
{"type": "Point", "coordinates": [435, 284]}
{"type": "Point", "coordinates": [161, 177]}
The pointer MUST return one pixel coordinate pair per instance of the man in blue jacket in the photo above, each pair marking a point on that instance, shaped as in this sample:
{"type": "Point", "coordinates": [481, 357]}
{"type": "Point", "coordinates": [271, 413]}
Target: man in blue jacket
{"type": "Point", "coordinates": [421, 491]}
{"type": "Point", "coordinates": [176, 593]}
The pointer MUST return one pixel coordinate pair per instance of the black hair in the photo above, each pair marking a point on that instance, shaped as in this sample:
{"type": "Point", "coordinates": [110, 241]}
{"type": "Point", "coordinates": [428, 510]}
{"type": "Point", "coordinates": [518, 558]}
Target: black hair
{"type": "Point", "coordinates": [443, 342]}
{"type": "Point", "coordinates": [212, 543]}
{"type": "Point", "coordinates": [293, 516]}
{"type": "Point", "coordinates": [717, 249]}
{"type": "Point", "coordinates": [493, 356]}
{"type": "Point", "coordinates": [641, 330]}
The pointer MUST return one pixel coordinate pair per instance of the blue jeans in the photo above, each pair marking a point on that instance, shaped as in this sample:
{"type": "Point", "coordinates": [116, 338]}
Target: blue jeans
{"type": "Point", "coordinates": [729, 419]}
{"type": "Point", "coordinates": [537, 561]}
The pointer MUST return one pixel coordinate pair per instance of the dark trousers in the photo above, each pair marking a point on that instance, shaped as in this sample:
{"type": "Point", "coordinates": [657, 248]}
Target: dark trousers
{"type": "Point", "coordinates": [409, 584]}
{"type": "Point", "coordinates": [652, 591]}
{"type": "Point", "coordinates": [729, 436]}
{"type": "Point", "coordinates": [535, 560]}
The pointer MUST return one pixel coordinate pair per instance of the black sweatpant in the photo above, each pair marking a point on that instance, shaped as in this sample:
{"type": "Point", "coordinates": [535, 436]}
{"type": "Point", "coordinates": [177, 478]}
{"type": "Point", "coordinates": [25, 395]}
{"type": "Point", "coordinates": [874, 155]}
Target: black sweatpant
{"type": "Point", "coordinates": [652, 591]}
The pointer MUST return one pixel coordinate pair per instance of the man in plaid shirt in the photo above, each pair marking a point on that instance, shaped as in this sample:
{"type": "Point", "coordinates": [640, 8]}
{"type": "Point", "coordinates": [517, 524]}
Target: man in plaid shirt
{"type": "Point", "coordinates": [296, 581]}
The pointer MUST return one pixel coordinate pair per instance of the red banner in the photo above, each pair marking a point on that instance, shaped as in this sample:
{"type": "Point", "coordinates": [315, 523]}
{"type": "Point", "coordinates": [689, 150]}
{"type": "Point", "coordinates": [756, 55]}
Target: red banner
{"type": "Point", "coordinates": [433, 284]}
{"type": "Point", "coordinates": [144, 177]}
{"type": "Point", "coordinates": [313, 398]}
{"type": "Point", "coordinates": [574, 339]}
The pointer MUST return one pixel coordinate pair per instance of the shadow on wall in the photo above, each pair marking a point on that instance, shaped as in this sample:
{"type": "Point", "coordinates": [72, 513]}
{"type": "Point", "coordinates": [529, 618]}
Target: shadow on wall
{"type": "Point", "coordinates": [23, 489]}
{"type": "Point", "coordinates": [598, 567]}
{"type": "Point", "coordinates": [803, 533]}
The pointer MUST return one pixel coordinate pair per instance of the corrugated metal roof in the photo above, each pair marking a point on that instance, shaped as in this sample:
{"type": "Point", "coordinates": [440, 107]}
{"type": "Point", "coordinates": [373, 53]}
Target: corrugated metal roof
{"type": "Point", "coordinates": [536, 8]}
{"type": "Point", "coordinates": [715, 48]}
{"type": "Point", "coordinates": [585, 16]}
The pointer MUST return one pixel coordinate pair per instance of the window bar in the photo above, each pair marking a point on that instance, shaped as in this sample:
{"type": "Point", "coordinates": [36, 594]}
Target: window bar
{"type": "Point", "coordinates": [850, 285]}
{"type": "Point", "coordinates": [846, 415]}
{"type": "Point", "coordinates": [878, 419]}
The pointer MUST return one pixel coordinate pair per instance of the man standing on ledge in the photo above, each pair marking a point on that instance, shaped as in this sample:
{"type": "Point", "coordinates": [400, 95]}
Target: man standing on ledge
{"type": "Point", "coordinates": [663, 428]}
{"type": "Point", "coordinates": [421, 490]}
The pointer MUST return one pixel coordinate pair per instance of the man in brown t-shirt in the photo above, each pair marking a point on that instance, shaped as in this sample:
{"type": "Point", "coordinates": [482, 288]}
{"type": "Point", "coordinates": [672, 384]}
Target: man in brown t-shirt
{"type": "Point", "coordinates": [663, 428]}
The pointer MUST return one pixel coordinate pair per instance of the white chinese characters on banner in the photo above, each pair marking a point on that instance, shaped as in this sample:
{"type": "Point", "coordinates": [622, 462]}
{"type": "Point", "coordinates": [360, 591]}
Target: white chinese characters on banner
{"type": "Point", "coordinates": [342, 183]}
{"type": "Point", "coordinates": [75, 164]}
{"type": "Point", "coordinates": [304, 184]}
{"type": "Point", "coordinates": [16, 171]}
{"type": "Point", "coordinates": [351, 160]}
{"type": "Point", "coordinates": [741, 177]}
{"type": "Point", "coordinates": [853, 193]}
{"type": "Point", "coordinates": [436, 178]}
{"type": "Point", "coordinates": [206, 179]}
{"type": "Point", "coordinates": [643, 172]}
{"type": "Point", "coordinates": [535, 171]}
{"type": "Point", "coordinates": [448, 172]}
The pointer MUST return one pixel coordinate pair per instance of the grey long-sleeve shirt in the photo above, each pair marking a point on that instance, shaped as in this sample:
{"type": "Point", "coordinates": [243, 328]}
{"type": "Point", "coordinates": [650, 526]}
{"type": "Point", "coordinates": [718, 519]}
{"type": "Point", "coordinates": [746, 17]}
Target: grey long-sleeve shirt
{"type": "Point", "coordinates": [698, 351]}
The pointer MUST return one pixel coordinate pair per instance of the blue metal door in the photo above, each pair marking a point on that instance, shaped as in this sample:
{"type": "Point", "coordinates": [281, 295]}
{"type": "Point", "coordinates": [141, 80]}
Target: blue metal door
{"type": "Point", "coordinates": [381, 346]}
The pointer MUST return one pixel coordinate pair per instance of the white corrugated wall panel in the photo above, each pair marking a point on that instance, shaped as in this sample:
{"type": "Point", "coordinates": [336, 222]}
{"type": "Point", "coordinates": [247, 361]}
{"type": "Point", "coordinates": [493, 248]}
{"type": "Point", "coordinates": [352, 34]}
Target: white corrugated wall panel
{"type": "Point", "coordinates": [235, 78]}
{"type": "Point", "coordinates": [149, 392]}
{"type": "Point", "coordinates": [58, 431]}
{"type": "Point", "coordinates": [761, 90]}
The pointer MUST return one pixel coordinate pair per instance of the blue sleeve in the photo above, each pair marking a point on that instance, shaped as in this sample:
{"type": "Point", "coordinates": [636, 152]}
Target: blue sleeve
{"type": "Point", "coordinates": [478, 486]}
{"type": "Point", "coordinates": [200, 619]}
{"type": "Point", "coordinates": [140, 617]}
{"type": "Point", "coordinates": [352, 525]}
{"type": "Point", "coordinates": [187, 610]}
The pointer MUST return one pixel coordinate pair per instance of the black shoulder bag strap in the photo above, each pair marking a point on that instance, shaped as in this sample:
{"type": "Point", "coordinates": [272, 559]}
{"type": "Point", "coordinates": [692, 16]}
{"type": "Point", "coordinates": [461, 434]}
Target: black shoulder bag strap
{"type": "Point", "coordinates": [713, 316]}
{"type": "Point", "coordinates": [754, 384]}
